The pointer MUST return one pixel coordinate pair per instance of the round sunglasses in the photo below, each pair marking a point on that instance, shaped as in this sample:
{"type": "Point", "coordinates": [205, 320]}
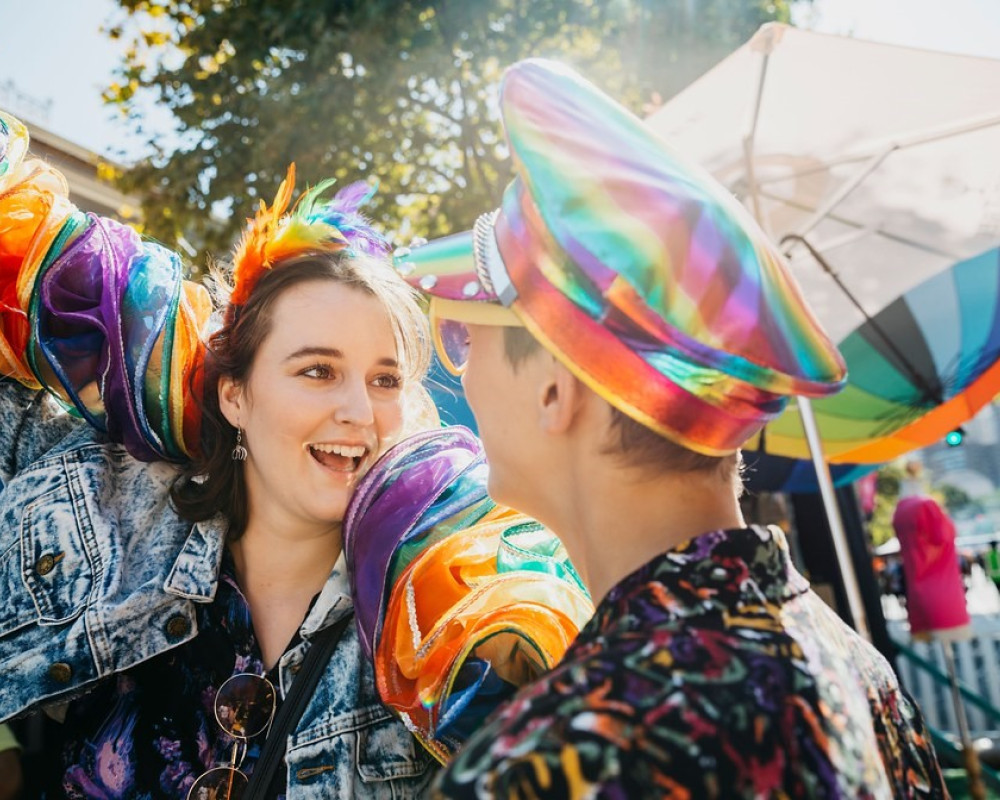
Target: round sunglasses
{"type": "Point", "coordinates": [244, 708]}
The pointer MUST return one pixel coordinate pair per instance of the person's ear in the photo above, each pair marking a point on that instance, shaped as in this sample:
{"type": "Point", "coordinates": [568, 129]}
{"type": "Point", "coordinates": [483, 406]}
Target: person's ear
{"type": "Point", "coordinates": [232, 398]}
{"type": "Point", "coordinates": [560, 397]}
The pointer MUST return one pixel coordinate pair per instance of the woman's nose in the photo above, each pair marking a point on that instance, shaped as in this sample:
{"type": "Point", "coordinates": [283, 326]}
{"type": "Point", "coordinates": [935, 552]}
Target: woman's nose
{"type": "Point", "coordinates": [353, 404]}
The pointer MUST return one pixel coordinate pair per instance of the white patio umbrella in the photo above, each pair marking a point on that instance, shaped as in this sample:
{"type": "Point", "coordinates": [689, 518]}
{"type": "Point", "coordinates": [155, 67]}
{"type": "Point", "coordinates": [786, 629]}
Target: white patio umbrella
{"type": "Point", "coordinates": [885, 159]}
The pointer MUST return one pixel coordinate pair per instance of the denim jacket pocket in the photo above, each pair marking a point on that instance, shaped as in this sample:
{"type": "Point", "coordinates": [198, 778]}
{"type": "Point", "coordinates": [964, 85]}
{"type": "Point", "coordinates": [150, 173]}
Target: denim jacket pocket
{"type": "Point", "coordinates": [388, 752]}
{"type": "Point", "coordinates": [54, 562]}
{"type": "Point", "coordinates": [17, 609]}
{"type": "Point", "coordinates": [363, 755]}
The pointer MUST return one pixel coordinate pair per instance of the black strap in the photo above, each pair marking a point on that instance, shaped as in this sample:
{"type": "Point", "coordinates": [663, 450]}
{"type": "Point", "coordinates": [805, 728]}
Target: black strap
{"type": "Point", "coordinates": [265, 781]}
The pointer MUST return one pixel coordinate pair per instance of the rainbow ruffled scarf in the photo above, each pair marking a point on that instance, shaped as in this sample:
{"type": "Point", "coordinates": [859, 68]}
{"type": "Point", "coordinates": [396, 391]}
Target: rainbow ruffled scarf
{"type": "Point", "coordinates": [458, 601]}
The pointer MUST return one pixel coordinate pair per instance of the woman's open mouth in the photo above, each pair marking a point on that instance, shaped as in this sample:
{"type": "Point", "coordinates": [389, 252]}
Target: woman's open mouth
{"type": "Point", "coordinates": [339, 457]}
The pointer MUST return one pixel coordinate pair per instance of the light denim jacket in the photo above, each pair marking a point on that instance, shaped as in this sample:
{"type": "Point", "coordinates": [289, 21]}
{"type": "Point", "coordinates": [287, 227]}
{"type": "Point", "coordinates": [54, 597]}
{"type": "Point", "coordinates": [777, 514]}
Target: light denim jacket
{"type": "Point", "coordinates": [98, 574]}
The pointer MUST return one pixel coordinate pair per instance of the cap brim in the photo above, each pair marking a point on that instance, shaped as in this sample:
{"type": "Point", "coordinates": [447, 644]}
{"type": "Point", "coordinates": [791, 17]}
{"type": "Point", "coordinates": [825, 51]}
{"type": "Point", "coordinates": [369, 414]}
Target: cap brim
{"type": "Point", "coordinates": [445, 270]}
{"type": "Point", "coordinates": [475, 312]}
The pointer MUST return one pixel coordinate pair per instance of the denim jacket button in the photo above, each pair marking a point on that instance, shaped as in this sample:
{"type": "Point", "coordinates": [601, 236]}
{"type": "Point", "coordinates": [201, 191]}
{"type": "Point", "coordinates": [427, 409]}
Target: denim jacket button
{"type": "Point", "coordinates": [178, 626]}
{"type": "Point", "coordinates": [61, 672]}
{"type": "Point", "coordinates": [45, 564]}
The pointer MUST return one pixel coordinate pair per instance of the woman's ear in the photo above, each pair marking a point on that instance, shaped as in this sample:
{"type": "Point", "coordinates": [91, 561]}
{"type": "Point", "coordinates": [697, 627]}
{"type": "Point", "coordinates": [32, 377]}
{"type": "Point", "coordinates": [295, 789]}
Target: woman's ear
{"type": "Point", "coordinates": [231, 400]}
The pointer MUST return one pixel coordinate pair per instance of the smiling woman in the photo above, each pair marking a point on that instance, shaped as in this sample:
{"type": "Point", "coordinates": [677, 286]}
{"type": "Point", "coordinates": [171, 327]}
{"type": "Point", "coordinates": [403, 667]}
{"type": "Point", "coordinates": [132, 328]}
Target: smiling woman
{"type": "Point", "coordinates": [209, 603]}
{"type": "Point", "coordinates": [307, 376]}
{"type": "Point", "coordinates": [338, 339]}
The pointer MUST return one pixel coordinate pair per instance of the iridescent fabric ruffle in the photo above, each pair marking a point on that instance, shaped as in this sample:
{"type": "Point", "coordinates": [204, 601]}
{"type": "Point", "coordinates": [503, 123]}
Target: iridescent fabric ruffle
{"type": "Point", "coordinates": [98, 316]}
{"type": "Point", "coordinates": [458, 601]}
{"type": "Point", "coordinates": [34, 205]}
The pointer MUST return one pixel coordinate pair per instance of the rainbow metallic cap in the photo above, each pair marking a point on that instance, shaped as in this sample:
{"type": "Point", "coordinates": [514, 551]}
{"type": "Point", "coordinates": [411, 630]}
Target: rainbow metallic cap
{"type": "Point", "coordinates": [635, 268]}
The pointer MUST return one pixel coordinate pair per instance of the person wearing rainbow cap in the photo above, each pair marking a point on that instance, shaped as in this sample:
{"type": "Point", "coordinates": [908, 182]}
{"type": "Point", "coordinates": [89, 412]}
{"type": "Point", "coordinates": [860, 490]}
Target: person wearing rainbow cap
{"type": "Point", "coordinates": [623, 326]}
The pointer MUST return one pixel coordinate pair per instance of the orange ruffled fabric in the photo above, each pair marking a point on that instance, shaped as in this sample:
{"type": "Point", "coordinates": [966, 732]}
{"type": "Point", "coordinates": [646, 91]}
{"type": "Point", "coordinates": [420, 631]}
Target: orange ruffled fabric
{"type": "Point", "coordinates": [34, 205]}
{"type": "Point", "coordinates": [456, 602]}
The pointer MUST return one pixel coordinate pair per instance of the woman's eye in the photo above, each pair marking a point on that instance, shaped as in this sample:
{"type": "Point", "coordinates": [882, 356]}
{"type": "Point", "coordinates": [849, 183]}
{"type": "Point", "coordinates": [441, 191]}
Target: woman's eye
{"type": "Point", "coordinates": [320, 371]}
{"type": "Point", "coordinates": [388, 381]}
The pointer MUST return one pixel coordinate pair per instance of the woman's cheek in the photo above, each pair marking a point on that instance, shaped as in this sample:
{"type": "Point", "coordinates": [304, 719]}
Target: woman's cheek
{"type": "Point", "coordinates": [390, 423]}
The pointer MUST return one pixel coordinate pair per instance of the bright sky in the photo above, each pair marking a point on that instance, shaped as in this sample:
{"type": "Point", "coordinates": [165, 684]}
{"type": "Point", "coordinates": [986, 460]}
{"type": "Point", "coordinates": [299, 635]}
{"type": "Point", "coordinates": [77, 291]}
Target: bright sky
{"type": "Point", "coordinates": [971, 27]}
{"type": "Point", "coordinates": [54, 54]}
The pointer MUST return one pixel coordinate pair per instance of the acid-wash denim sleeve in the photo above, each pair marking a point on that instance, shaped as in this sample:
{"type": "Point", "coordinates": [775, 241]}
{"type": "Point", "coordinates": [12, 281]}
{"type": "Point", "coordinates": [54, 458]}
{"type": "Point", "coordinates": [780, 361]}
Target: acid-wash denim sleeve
{"type": "Point", "coordinates": [347, 744]}
{"type": "Point", "coordinates": [31, 423]}
{"type": "Point", "coordinates": [97, 571]}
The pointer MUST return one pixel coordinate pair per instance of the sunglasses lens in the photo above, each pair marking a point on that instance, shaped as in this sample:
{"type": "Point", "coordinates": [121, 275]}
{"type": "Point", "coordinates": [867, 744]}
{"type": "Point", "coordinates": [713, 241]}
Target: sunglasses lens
{"type": "Point", "coordinates": [221, 783]}
{"type": "Point", "coordinates": [245, 705]}
{"type": "Point", "coordinates": [453, 344]}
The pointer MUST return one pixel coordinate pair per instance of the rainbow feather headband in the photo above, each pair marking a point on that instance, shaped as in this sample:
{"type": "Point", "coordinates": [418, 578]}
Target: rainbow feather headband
{"type": "Point", "coordinates": [316, 224]}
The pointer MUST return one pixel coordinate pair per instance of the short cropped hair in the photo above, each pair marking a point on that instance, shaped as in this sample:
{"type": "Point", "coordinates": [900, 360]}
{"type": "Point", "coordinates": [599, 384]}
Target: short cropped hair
{"type": "Point", "coordinates": [631, 441]}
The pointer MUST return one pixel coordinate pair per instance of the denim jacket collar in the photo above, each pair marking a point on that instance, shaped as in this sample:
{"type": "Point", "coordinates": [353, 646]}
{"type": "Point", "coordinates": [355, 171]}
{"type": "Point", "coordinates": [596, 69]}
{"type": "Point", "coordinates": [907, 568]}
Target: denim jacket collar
{"type": "Point", "coordinates": [195, 574]}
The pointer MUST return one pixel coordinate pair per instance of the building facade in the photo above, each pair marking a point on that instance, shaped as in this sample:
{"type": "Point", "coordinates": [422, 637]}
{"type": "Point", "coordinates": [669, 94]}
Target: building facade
{"type": "Point", "coordinates": [84, 171]}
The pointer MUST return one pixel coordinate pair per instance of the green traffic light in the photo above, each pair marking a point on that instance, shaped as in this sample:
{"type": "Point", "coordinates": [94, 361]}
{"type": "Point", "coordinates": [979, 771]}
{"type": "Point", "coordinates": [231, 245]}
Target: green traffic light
{"type": "Point", "coordinates": [954, 438]}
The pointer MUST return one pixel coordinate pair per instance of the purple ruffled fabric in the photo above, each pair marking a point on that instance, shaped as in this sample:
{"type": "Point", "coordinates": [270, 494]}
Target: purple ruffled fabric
{"type": "Point", "coordinates": [103, 304]}
{"type": "Point", "coordinates": [411, 488]}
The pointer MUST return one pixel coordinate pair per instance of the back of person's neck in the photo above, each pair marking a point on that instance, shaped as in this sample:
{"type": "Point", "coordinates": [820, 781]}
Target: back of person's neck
{"type": "Point", "coordinates": [620, 519]}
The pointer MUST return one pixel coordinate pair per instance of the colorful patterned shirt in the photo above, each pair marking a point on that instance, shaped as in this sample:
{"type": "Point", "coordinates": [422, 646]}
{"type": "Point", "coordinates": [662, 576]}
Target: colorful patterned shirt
{"type": "Point", "coordinates": [713, 671]}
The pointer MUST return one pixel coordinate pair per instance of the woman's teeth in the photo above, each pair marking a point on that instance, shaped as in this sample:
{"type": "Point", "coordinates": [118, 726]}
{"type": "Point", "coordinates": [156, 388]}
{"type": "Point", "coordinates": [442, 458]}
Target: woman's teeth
{"type": "Point", "coordinates": [340, 457]}
{"type": "Point", "coordinates": [346, 450]}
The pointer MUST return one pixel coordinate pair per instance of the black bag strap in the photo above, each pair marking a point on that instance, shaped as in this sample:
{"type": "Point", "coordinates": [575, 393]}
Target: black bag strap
{"type": "Point", "coordinates": [265, 782]}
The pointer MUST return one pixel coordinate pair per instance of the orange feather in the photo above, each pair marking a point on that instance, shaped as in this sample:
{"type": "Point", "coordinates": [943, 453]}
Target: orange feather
{"type": "Point", "coordinates": [251, 257]}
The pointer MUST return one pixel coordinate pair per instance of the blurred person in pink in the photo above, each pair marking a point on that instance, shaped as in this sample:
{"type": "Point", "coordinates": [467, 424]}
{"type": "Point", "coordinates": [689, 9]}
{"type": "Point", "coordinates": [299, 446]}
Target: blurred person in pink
{"type": "Point", "coordinates": [935, 593]}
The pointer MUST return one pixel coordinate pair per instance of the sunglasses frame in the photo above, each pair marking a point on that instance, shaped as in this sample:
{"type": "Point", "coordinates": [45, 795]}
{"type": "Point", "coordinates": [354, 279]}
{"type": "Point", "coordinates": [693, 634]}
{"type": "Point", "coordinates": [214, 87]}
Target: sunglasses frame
{"type": "Point", "coordinates": [239, 744]}
{"type": "Point", "coordinates": [465, 313]}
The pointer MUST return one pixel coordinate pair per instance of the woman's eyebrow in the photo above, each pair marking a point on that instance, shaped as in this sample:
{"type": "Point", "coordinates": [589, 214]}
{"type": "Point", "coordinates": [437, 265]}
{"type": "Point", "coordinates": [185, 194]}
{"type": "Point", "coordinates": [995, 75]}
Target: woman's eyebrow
{"type": "Point", "coordinates": [302, 352]}
{"type": "Point", "coordinates": [334, 353]}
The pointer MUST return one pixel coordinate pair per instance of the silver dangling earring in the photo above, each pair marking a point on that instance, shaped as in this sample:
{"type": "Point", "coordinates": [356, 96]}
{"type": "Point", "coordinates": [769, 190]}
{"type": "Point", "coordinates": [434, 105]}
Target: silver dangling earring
{"type": "Point", "coordinates": [239, 452]}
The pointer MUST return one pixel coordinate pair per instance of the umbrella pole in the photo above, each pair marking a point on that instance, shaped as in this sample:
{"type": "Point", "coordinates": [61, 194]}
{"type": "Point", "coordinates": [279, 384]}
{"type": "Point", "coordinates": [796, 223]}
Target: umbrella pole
{"type": "Point", "coordinates": [749, 141]}
{"type": "Point", "coordinates": [969, 758]}
{"type": "Point", "coordinates": [850, 579]}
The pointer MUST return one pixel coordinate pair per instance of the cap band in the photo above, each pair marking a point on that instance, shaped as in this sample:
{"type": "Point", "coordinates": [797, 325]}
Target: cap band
{"type": "Point", "coordinates": [489, 264]}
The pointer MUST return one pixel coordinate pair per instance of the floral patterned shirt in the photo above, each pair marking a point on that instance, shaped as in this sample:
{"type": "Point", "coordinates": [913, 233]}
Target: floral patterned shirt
{"type": "Point", "coordinates": [713, 671]}
{"type": "Point", "coordinates": [151, 731]}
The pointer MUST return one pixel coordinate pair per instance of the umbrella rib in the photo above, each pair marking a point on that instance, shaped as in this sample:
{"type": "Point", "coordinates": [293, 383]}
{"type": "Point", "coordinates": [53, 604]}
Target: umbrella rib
{"type": "Point", "coordinates": [900, 143]}
{"type": "Point", "coordinates": [859, 231]}
{"type": "Point", "coordinates": [838, 197]}
{"type": "Point", "coordinates": [914, 375]}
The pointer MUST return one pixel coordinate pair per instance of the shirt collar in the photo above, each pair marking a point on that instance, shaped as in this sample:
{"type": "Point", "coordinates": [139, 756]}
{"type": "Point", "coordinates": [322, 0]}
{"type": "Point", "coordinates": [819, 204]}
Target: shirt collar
{"type": "Point", "coordinates": [333, 602]}
{"type": "Point", "coordinates": [717, 571]}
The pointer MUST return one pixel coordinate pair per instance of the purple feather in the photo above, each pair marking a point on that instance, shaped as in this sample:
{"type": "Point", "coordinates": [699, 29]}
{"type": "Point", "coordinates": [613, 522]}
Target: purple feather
{"type": "Point", "coordinates": [343, 213]}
